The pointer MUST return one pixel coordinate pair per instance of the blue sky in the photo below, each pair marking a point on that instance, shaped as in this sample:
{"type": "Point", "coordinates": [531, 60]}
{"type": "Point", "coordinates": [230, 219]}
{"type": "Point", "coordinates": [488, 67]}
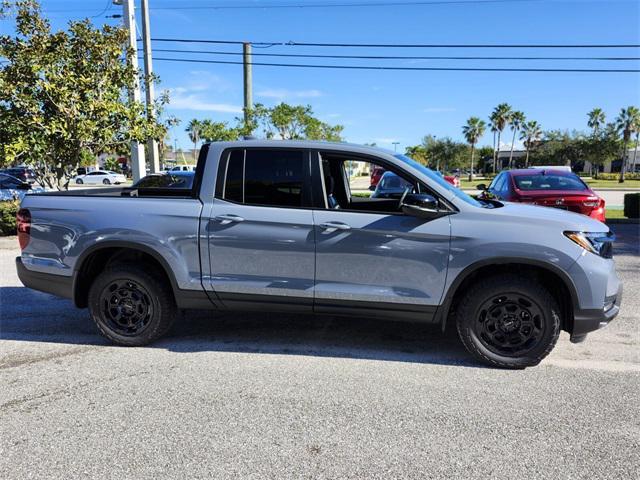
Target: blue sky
{"type": "Point", "coordinates": [383, 107]}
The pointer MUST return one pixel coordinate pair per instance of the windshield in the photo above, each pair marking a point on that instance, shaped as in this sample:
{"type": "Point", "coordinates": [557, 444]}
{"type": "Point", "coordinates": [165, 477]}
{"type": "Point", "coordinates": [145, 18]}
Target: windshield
{"type": "Point", "coordinates": [549, 182]}
{"type": "Point", "coordinates": [439, 180]}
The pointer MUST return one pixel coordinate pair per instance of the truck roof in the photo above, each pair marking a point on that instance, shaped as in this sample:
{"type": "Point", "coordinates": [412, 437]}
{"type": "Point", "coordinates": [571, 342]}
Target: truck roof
{"type": "Point", "coordinates": [314, 144]}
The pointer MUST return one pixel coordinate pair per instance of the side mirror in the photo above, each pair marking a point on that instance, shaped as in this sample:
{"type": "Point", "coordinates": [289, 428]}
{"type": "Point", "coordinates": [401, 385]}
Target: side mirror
{"type": "Point", "coordinates": [481, 186]}
{"type": "Point", "coordinates": [24, 186]}
{"type": "Point", "coordinates": [420, 205]}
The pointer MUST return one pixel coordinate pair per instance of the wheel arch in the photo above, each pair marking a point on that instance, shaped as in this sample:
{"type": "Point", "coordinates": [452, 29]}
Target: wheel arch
{"type": "Point", "coordinates": [94, 259]}
{"type": "Point", "coordinates": [557, 280]}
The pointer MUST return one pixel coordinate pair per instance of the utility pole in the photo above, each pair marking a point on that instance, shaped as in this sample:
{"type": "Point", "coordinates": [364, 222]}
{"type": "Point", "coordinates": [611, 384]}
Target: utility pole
{"type": "Point", "coordinates": [395, 146]}
{"type": "Point", "coordinates": [138, 168]}
{"type": "Point", "coordinates": [152, 145]}
{"type": "Point", "coordinates": [248, 81]}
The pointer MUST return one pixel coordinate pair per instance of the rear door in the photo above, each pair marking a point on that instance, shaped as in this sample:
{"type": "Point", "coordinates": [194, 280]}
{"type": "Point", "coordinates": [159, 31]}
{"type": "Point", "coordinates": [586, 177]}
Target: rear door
{"type": "Point", "coordinates": [260, 233]}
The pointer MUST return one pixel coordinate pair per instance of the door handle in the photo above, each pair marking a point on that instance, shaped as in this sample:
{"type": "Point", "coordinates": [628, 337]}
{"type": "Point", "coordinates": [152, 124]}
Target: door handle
{"type": "Point", "coordinates": [335, 226]}
{"type": "Point", "coordinates": [228, 218]}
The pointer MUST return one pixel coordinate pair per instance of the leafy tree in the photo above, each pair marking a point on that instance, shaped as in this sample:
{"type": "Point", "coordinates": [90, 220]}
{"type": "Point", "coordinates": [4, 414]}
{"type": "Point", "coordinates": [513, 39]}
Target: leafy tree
{"type": "Point", "coordinates": [472, 131]}
{"type": "Point", "coordinates": [289, 122]}
{"type": "Point", "coordinates": [530, 135]}
{"type": "Point", "coordinates": [499, 119]}
{"type": "Point", "coordinates": [63, 95]}
{"type": "Point", "coordinates": [601, 148]}
{"type": "Point", "coordinates": [418, 153]}
{"type": "Point", "coordinates": [112, 164]}
{"type": "Point", "coordinates": [627, 123]}
{"type": "Point", "coordinates": [212, 131]}
{"type": "Point", "coordinates": [516, 120]}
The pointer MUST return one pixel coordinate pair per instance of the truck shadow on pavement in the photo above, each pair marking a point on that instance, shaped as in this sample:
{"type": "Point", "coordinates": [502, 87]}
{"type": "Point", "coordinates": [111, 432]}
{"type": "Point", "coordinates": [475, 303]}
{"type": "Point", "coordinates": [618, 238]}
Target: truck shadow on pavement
{"type": "Point", "coordinates": [30, 316]}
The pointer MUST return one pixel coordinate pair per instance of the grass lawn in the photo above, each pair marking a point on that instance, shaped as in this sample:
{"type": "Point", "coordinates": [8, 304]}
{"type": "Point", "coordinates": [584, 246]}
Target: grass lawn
{"type": "Point", "coordinates": [592, 183]}
{"type": "Point", "coordinates": [614, 213]}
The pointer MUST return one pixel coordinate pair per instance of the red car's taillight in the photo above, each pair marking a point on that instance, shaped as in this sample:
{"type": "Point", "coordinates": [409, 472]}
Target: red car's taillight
{"type": "Point", "coordinates": [593, 202]}
{"type": "Point", "coordinates": [23, 219]}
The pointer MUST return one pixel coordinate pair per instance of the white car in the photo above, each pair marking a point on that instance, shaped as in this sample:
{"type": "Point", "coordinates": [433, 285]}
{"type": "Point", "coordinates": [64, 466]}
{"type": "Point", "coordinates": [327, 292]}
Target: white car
{"type": "Point", "coordinates": [183, 168]}
{"type": "Point", "coordinates": [104, 177]}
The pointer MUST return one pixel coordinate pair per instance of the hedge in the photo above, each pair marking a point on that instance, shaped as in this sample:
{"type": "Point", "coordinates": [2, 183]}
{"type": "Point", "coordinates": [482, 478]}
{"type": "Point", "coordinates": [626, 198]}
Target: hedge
{"type": "Point", "coordinates": [616, 176]}
{"type": "Point", "coordinates": [8, 211]}
{"type": "Point", "coordinates": [632, 205]}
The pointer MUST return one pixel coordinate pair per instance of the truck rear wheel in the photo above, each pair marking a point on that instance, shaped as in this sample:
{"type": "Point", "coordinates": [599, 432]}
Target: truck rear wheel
{"type": "Point", "coordinates": [131, 306]}
{"type": "Point", "coordinates": [508, 321]}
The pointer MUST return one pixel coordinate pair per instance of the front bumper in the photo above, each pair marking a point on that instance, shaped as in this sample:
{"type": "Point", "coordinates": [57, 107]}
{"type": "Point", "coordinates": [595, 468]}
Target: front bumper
{"type": "Point", "coordinates": [585, 321]}
{"type": "Point", "coordinates": [57, 285]}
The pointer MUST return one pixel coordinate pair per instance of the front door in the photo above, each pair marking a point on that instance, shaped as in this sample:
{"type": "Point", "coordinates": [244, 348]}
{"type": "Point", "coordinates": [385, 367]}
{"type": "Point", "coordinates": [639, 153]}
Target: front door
{"type": "Point", "coordinates": [261, 238]}
{"type": "Point", "coordinates": [382, 263]}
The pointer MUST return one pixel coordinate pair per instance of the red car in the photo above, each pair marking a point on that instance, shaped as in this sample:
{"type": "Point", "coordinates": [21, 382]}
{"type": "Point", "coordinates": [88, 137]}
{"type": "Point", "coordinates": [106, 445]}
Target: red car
{"type": "Point", "coordinates": [453, 180]}
{"type": "Point", "coordinates": [549, 188]}
{"type": "Point", "coordinates": [376, 175]}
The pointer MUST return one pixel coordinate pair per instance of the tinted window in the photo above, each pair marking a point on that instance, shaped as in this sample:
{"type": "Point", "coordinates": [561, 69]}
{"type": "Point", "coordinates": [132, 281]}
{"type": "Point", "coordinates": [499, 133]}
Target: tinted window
{"type": "Point", "coordinates": [233, 189]}
{"type": "Point", "coordinates": [265, 177]}
{"type": "Point", "coordinates": [549, 182]}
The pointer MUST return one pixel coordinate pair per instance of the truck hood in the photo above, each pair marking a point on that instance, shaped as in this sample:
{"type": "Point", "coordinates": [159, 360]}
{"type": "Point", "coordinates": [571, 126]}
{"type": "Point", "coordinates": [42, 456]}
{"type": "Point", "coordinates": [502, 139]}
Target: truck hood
{"type": "Point", "coordinates": [544, 216]}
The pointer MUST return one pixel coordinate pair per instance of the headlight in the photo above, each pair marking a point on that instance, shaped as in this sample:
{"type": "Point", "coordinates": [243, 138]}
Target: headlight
{"type": "Point", "coordinates": [599, 243]}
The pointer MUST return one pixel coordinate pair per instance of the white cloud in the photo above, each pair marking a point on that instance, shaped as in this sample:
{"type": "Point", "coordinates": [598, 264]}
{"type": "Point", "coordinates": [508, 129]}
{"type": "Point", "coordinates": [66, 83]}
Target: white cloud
{"type": "Point", "coordinates": [439, 109]}
{"type": "Point", "coordinates": [196, 102]}
{"type": "Point", "coordinates": [283, 93]}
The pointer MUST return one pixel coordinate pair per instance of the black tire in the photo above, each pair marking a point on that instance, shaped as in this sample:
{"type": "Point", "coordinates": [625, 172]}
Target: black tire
{"type": "Point", "coordinates": [106, 182]}
{"type": "Point", "coordinates": [79, 181]}
{"type": "Point", "coordinates": [508, 321]}
{"type": "Point", "coordinates": [131, 306]}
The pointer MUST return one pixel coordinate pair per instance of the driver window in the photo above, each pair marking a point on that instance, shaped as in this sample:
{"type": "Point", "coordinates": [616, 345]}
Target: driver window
{"type": "Point", "coordinates": [360, 185]}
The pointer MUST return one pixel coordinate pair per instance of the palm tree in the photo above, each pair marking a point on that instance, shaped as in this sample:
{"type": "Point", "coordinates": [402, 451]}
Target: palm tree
{"type": "Point", "coordinates": [530, 134]}
{"type": "Point", "coordinates": [194, 129]}
{"type": "Point", "coordinates": [472, 131]}
{"type": "Point", "coordinates": [596, 120]}
{"type": "Point", "coordinates": [516, 121]}
{"type": "Point", "coordinates": [635, 150]}
{"type": "Point", "coordinates": [494, 130]}
{"type": "Point", "coordinates": [626, 122]}
{"type": "Point", "coordinates": [499, 118]}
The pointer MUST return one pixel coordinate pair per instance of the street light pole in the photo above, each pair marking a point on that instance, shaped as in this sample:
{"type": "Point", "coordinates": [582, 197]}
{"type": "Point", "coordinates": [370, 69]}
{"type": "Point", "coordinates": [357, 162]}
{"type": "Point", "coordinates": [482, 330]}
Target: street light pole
{"type": "Point", "coordinates": [138, 169]}
{"type": "Point", "coordinates": [395, 146]}
{"type": "Point", "coordinates": [152, 145]}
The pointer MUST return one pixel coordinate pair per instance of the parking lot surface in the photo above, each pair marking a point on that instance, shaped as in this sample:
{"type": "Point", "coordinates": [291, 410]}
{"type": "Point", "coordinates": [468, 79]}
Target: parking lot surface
{"type": "Point", "coordinates": [269, 396]}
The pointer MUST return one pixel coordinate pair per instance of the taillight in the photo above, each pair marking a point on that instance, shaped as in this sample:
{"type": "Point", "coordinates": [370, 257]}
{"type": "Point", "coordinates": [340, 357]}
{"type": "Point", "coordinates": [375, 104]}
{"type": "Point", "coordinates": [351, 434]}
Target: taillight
{"type": "Point", "coordinates": [23, 219]}
{"type": "Point", "coordinates": [592, 202]}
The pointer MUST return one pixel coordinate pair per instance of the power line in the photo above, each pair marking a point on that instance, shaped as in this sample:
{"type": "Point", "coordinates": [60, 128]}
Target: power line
{"type": "Point", "coordinates": [341, 5]}
{"type": "Point", "coordinates": [399, 3]}
{"type": "Point", "coordinates": [396, 45]}
{"type": "Point", "coordinates": [376, 67]}
{"type": "Point", "coordinates": [393, 57]}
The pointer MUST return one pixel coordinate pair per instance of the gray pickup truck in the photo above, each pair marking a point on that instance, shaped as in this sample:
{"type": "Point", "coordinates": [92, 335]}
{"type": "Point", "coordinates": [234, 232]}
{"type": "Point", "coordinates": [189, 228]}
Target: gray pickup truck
{"type": "Point", "coordinates": [280, 226]}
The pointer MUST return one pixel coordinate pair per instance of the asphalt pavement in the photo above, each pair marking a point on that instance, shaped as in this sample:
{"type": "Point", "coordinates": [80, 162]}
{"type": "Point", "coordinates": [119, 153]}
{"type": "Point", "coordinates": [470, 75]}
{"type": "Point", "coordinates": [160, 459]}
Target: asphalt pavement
{"type": "Point", "coordinates": [283, 396]}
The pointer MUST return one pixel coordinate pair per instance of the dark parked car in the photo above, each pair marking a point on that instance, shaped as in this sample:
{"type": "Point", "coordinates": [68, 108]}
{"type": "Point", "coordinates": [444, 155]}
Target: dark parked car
{"type": "Point", "coordinates": [549, 188]}
{"type": "Point", "coordinates": [178, 180]}
{"type": "Point", "coordinates": [24, 174]}
{"type": "Point", "coordinates": [391, 186]}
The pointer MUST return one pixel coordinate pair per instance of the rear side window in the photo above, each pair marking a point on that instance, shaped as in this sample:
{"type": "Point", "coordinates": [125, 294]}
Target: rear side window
{"type": "Point", "coordinates": [264, 177]}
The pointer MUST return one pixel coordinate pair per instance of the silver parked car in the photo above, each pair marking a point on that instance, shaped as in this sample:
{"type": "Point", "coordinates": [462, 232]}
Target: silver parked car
{"type": "Point", "coordinates": [272, 225]}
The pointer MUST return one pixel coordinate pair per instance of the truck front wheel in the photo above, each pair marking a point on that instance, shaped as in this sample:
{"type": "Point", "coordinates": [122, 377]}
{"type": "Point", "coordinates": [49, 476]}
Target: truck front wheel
{"type": "Point", "coordinates": [130, 306]}
{"type": "Point", "coordinates": [508, 321]}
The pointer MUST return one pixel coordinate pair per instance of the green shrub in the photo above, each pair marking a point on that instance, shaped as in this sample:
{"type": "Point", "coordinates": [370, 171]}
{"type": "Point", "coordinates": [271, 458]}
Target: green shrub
{"type": "Point", "coordinates": [632, 205]}
{"type": "Point", "coordinates": [615, 176]}
{"type": "Point", "coordinates": [8, 211]}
